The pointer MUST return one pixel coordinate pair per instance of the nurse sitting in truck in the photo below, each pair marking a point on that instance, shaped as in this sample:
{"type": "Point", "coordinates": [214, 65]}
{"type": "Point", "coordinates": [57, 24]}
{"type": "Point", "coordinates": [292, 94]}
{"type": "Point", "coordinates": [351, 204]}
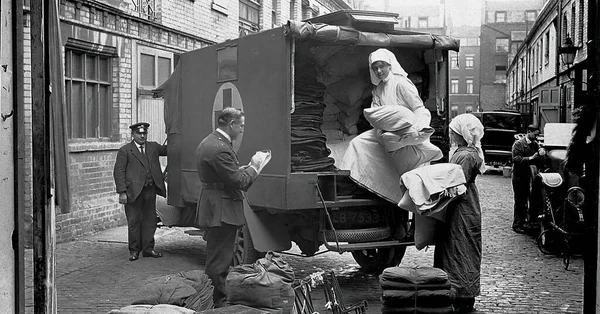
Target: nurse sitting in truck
{"type": "Point", "coordinates": [393, 87]}
{"type": "Point", "coordinates": [396, 109]}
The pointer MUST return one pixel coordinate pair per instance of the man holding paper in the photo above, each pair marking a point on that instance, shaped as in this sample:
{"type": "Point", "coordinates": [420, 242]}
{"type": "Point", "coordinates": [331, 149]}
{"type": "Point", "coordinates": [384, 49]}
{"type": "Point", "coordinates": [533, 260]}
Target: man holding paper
{"type": "Point", "coordinates": [220, 206]}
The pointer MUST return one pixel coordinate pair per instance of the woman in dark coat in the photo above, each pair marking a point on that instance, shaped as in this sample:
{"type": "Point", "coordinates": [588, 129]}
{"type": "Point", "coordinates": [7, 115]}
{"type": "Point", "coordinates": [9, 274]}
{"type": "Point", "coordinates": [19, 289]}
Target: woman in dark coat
{"type": "Point", "coordinates": [458, 240]}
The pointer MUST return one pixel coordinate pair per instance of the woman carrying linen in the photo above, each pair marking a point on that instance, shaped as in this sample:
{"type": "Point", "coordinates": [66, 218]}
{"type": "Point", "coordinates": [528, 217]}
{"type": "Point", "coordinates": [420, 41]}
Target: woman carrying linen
{"type": "Point", "coordinates": [458, 240]}
{"type": "Point", "coordinates": [393, 87]}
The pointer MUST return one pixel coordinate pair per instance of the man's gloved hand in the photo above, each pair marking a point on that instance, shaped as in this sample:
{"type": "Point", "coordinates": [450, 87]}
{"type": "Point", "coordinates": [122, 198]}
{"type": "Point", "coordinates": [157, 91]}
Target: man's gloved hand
{"type": "Point", "coordinates": [123, 198]}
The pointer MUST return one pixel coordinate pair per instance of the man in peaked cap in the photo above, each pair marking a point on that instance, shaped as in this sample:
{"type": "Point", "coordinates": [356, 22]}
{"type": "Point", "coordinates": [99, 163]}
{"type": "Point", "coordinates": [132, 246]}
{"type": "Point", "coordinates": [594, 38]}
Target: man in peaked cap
{"type": "Point", "coordinates": [138, 177]}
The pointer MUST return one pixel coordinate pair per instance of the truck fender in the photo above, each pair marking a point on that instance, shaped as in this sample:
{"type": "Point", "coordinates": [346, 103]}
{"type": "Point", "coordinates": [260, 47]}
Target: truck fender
{"type": "Point", "coordinates": [551, 179]}
{"type": "Point", "coordinates": [268, 232]}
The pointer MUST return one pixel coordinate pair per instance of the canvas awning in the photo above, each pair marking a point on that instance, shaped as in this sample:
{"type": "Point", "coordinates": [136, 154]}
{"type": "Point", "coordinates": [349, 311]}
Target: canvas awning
{"type": "Point", "coordinates": [349, 36]}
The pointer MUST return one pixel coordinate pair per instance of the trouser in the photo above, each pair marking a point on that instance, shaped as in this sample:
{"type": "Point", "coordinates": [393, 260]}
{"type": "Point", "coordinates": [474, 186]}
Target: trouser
{"type": "Point", "coordinates": [141, 221]}
{"type": "Point", "coordinates": [521, 190]}
{"type": "Point", "coordinates": [220, 244]}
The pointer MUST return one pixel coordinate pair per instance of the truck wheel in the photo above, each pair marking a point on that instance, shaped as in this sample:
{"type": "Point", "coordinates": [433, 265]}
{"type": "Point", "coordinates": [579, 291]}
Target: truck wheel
{"type": "Point", "coordinates": [244, 251]}
{"type": "Point", "coordinates": [376, 260]}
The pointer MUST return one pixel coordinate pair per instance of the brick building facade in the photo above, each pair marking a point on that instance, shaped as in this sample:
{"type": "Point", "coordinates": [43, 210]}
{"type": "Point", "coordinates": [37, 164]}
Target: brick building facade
{"type": "Point", "coordinates": [504, 26]}
{"type": "Point", "coordinates": [539, 82]}
{"type": "Point", "coordinates": [115, 53]}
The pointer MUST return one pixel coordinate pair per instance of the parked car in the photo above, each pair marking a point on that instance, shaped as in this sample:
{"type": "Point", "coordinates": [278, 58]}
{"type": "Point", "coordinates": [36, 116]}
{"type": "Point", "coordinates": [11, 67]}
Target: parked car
{"type": "Point", "coordinates": [501, 129]}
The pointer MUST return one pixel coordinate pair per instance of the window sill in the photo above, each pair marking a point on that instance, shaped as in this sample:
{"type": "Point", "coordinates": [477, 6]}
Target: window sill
{"type": "Point", "coordinates": [93, 146]}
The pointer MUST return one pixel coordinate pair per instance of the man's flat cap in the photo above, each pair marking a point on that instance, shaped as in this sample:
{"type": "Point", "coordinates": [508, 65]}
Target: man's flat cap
{"type": "Point", "coordinates": [141, 127]}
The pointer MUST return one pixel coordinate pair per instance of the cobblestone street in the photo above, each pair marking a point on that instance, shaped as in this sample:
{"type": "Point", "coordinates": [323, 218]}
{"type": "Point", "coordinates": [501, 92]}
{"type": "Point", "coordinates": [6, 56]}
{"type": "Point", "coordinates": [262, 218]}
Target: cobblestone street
{"type": "Point", "coordinates": [93, 274]}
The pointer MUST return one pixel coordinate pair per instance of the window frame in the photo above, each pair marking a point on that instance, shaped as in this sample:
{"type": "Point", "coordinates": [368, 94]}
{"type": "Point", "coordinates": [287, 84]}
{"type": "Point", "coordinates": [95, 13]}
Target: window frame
{"type": "Point", "coordinates": [507, 45]}
{"type": "Point", "coordinates": [500, 13]}
{"type": "Point", "coordinates": [156, 53]}
{"type": "Point", "coordinates": [250, 4]}
{"type": "Point", "coordinates": [470, 83]}
{"type": "Point", "coordinates": [103, 131]}
{"type": "Point", "coordinates": [454, 63]}
{"type": "Point", "coordinates": [529, 12]}
{"type": "Point", "coordinates": [454, 83]}
{"type": "Point", "coordinates": [469, 62]}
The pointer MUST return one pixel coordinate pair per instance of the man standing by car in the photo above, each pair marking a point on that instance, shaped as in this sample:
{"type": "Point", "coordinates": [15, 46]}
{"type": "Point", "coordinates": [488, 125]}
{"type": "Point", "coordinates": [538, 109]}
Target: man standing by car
{"type": "Point", "coordinates": [220, 206]}
{"type": "Point", "coordinates": [138, 177]}
{"type": "Point", "coordinates": [525, 153]}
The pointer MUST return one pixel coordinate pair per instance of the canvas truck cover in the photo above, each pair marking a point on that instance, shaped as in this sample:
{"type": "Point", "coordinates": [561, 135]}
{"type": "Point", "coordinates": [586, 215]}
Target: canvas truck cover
{"type": "Point", "coordinates": [265, 64]}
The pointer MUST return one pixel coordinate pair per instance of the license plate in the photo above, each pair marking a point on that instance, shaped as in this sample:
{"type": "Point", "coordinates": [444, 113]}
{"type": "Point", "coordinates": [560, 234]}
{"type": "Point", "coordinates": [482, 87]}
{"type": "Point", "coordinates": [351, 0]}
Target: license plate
{"type": "Point", "coordinates": [356, 219]}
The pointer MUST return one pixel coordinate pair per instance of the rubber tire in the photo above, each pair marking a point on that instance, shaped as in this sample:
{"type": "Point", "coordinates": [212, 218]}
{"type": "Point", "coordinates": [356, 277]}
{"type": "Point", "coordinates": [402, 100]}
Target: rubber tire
{"type": "Point", "coordinates": [374, 261]}
{"type": "Point", "coordinates": [243, 250]}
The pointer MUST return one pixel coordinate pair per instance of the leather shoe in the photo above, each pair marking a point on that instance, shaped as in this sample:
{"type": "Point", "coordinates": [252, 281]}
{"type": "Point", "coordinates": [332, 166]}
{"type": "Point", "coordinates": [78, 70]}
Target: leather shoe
{"type": "Point", "coordinates": [134, 256]}
{"type": "Point", "coordinates": [152, 254]}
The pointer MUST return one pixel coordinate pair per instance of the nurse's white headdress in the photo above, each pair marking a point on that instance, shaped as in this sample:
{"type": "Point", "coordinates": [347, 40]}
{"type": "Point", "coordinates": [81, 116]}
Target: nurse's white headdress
{"type": "Point", "coordinates": [388, 57]}
{"type": "Point", "coordinates": [471, 129]}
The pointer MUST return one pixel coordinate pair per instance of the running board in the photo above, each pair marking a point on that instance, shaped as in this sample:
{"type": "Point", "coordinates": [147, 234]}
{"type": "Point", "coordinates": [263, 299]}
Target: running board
{"type": "Point", "coordinates": [346, 247]}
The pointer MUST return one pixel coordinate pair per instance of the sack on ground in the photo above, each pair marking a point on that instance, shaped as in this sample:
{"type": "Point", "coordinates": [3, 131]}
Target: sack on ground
{"type": "Point", "coordinates": [153, 309]}
{"type": "Point", "coordinates": [265, 284]}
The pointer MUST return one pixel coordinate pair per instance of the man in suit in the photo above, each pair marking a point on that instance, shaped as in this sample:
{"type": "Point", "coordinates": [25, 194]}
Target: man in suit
{"type": "Point", "coordinates": [220, 206]}
{"type": "Point", "coordinates": [138, 177]}
{"type": "Point", "coordinates": [525, 153]}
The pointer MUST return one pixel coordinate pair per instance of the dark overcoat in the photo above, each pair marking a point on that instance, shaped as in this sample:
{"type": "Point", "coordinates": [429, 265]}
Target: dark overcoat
{"type": "Point", "coordinates": [222, 182]}
{"type": "Point", "coordinates": [131, 166]}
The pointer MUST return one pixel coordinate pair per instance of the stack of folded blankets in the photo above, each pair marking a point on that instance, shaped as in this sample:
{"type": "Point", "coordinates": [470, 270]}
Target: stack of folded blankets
{"type": "Point", "coordinates": [415, 290]}
{"type": "Point", "coordinates": [309, 149]}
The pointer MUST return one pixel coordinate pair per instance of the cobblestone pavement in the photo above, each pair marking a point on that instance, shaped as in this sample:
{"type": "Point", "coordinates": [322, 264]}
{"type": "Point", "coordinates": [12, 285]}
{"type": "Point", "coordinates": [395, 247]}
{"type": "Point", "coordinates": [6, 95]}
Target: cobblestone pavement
{"type": "Point", "coordinates": [93, 274]}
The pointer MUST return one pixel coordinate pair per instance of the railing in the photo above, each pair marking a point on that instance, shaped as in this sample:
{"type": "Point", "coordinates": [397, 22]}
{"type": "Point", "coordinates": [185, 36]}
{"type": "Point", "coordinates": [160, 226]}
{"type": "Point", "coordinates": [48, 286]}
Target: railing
{"type": "Point", "coordinates": [145, 9]}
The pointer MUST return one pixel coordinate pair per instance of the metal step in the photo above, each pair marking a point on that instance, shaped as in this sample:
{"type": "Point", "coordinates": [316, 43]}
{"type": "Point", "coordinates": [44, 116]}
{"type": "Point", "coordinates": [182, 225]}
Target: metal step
{"type": "Point", "coordinates": [346, 247]}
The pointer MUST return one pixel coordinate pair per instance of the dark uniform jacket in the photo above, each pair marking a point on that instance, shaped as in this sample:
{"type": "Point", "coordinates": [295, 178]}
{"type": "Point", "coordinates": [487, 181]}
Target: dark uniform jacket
{"type": "Point", "coordinates": [521, 149]}
{"type": "Point", "coordinates": [131, 167]}
{"type": "Point", "coordinates": [222, 182]}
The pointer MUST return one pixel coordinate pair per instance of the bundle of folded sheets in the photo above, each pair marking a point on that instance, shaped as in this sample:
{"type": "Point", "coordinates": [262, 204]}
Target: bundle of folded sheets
{"type": "Point", "coordinates": [415, 290]}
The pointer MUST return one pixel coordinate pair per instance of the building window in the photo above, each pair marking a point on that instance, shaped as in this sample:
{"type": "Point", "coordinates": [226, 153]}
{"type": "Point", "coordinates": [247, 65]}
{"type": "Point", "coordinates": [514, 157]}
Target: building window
{"type": "Point", "coordinates": [469, 86]}
{"type": "Point", "coordinates": [453, 111]}
{"type": "Point", "coordinates": [573, 19]}
{"type": "Point", "coordinates": [274, 14]}
{"type": "Point", "coordinates": [292, 10]}
{"type": "Point", "coordinates": [155, 67]}
{"type": "Point", "coordinates": [530, 16]}
{"type": "Point", "coordinates": [249, 16]}
{"type": "Point", "coordinates": [500, 16]}
{"type": "Point", "coordinates": [454, 63]}
{"type": "Point", "coordinates": [468, 109]}
{"type": "Point", "coordinates": [581, 23]}
{"type": "Point", "coordinates": [547, 48]}
{"type": "Point", "coordinates": [565, 26]}
{"type": "Point", "coordinates": [423, 22]}
{"type": "Point", "coordinates": [501, 45]}
{"type": "Point", "coordinates": [500, 74]}
{"type": "Point", "coordinates": [454, 86]}
{"type": "Point", "coordinates": [88, 94]}
{"type": "Point", "coordinates": [469, 62]}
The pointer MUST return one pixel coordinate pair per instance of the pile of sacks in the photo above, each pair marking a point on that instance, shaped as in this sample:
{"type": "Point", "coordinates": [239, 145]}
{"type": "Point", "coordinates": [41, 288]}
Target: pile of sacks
{"type": "Point", "coordinates": [309, 149]}
{"type": "Point", "coordinates": [184, 292]}
{"type": "Point", "coordinates": [344, 104]}
{"type": "Point", "coordinates": [415, 290]}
